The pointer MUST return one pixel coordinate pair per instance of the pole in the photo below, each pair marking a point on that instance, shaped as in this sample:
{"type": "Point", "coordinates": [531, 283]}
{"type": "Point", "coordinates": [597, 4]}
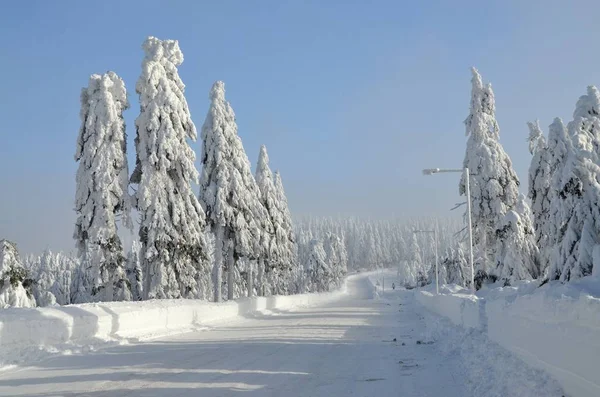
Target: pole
{"type": "Point", "coordinates": [468, 192]}
{"type": "Point", "coordinates": [437, 287]}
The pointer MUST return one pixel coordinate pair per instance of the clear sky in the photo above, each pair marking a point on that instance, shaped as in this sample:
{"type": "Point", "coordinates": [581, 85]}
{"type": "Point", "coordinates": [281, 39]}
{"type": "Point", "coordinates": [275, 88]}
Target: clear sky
{"type": "Point", "coordinates": [352, 98]}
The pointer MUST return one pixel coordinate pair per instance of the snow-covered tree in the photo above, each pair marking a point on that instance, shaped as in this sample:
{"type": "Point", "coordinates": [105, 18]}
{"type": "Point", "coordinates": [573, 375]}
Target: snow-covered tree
{"type": "Point", "coordinates": [80, 283]}
{"type": "Point", "coordinates": [14, 283]}
{"type": "Point", "coordinates": [52, 274]}
{"type": "Point", "coordinates": [494, 183]}
{"type": "Point", "coordinates": [286, 239]}
{"type": "Point", "coordinates": [336, 257]}
{"type": "Point", "coordinates": [517, 254]}
{"type": "Point", "coordinates": [101, 188]}
{"type": "Point", "coordinates": [539, 181]}
{"type": "Point", "coordinates": [318, 273]}
{"type": "Point", "coordinates": [172, 221]}
{"type": "Point", "coordinates": [228, 191]}
{"type": "Point", "coordinates": [134, 272]}
{"type": "Point", "coordinates": [272, 256]}
{"type": "Point", "coordinates": [455, 263]}
{"type": "Point", "coordinates": [578, 189]}
{"type": "Point", "coordinates": [561, 203]}
{"type": "Point", "coordinates": [391, 235]}
{"type": "Point", "coordinates": [409, 273]}
{"type": "Point", "coordinates": [372, 250]}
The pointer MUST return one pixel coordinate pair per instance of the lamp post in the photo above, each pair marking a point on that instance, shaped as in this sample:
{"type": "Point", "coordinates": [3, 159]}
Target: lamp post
{"type": "Point", "coordinates": [431, 171]}
{"type": "Point", "coordinates": [435, 243]}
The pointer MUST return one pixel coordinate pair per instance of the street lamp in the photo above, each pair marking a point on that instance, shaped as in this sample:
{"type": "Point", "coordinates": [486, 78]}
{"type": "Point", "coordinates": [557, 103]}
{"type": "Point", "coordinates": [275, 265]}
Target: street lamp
{"type": "Point", "coordinates": [431, 171]}
{"type": "Point", "coordinates": [435, 243]}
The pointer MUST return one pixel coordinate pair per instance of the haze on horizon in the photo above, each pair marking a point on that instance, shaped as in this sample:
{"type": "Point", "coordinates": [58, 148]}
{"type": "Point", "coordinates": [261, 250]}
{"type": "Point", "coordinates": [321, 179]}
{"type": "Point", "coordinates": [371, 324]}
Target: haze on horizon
{"type": "Point", "coordinates": [351, 99]}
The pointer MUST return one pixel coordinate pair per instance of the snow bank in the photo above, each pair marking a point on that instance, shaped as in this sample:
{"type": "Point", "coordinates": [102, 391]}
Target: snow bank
{"type": "Point", "coordinates": [25, 334]}
{"type": "Point", "coordinates": [554, 328]}
{"type": "Point", "coordinates": [462, 310]}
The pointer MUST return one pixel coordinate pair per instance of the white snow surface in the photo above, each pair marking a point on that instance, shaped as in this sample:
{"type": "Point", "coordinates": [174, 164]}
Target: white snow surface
{"type": "Point", "coordinates": [553, 328]}
{"type": "Point", "coordinates": [357, 341]}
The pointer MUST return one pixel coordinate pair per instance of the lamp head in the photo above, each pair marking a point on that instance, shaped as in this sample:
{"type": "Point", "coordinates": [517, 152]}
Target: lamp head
{"type": "Point", "coordinates": [430, 171]}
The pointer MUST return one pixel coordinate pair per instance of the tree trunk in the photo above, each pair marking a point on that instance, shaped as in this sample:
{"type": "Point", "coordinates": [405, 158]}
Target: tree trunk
{"type": "Point", "coordinates": [261, 275]}
{"type": "Point", "coordinates": [218, 265]}
{"type": "Point", "coordinates": [230, 266]}
{"type": "Point", "coordinates": [249, 281]}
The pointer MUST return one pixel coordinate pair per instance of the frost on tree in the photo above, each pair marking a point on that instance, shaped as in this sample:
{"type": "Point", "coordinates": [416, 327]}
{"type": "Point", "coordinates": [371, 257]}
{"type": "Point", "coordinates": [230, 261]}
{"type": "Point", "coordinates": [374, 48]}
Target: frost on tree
{"type": "Point", "coordinates": [101, 188]}
{"type": "Point", "coordinates": [337, 258]}
{"type": "Point", "coordinates": [173, 252]}
{"type": "Point", "coordinates": [576, 209]}
{"type": "Point", "coordinates": [229, 193]}
{"type": "Point", "coordinates": [134, 272]}
{"type": "Point", "coordinates": [455, 264]}
{"type": "Point", "coordinates": [410, 271]}
{"type": "Point", "coordinates": [279, 246]}
{"type": "Point", "coordinates": [539, 181]}
{"type": "Point", "coordinates": [517, 254]}
{"type": "Point", "coordinates": [273, 263]}
{"type": "Point", "coordinates": [53, 275]}
{"type": "Point", "coordinates": [14, 284]}
{"type": "Point", "coordinates": [318, 275]}
{"type": "Point", "coordinates": [493, 181]}
{"type": "Point", "coordinates": [285, 236]}
{"type": "Point", "coordinates": [559, 147]}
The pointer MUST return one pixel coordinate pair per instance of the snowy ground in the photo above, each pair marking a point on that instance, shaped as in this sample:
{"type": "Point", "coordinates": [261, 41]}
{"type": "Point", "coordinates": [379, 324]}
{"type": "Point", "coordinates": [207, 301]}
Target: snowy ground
{"type": "Point", "coordinates": [340, 348]}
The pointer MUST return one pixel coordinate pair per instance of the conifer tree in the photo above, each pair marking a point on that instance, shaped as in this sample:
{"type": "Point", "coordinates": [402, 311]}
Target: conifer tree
{"type": "Point", "coordinates": [229, 193]}
{"type": "Point", "coordinates": [101, 189]}
{"type": "Point", "coordinates": [174, 250]}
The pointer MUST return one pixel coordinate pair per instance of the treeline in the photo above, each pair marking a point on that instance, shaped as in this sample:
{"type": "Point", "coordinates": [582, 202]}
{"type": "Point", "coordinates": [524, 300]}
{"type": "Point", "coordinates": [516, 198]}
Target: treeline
{"type": "Point", "coordinates": [238, 224]}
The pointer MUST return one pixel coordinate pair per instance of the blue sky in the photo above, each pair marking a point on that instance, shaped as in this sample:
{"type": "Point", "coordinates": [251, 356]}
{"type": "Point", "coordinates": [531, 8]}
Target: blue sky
{"type": "Point", "coordinates": [352, 98]}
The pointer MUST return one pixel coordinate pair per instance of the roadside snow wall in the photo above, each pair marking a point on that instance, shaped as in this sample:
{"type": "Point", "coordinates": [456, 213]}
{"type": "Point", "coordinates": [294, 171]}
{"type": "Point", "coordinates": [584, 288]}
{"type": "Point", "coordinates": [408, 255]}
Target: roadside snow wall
{"type": "Point", "coordinates": [28, 333]}
{"type": "Point", "coordinates": [554, 328]}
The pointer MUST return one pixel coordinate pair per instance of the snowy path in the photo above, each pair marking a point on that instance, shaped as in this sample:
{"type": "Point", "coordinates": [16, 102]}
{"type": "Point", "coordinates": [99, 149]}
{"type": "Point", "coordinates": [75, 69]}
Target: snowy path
{"type": "Point", "coordinates": [339, 349]}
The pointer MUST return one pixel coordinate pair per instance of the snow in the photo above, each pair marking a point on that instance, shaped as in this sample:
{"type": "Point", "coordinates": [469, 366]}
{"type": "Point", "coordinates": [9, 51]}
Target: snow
{"type": "Point", "coordinates": [553, 328]}
{"type": "Point", "coordinates": [25, 332]}
{"type": "Point", "coordinates": [334, 344]}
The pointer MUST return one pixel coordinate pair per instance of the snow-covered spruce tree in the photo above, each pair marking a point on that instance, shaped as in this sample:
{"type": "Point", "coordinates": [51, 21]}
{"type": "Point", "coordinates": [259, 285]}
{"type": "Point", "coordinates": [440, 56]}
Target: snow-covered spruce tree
{"type": "Point", "coordinates": [14, 284]}
{"type": "Point", "coordinates": [134, 272]}
{"type": "Point", "coordinates": [318, 275]}
{"type": "Point", "coordinates": [80, 283]}
{"type": "Point", "coordinates": [578, 189]}
{"type": "Point", "coordinates": [494, 183]}
{"type": "Point", "coordinates": [372, 251]}
{"type": "Point", "coordinates": [539, 181]}
{"type": "Point", "coordinates": [564, 190]}
{"type": "Point", "coordinates": [303, 239]}
{"type": "Point", "coordinates": [286, 239]}
{"type": "Point", "coordinates": [410, 272]}
{"type": "Point", "coordinates": [44, 271]}
{"type": "Point", "coordinates": [455, 263]}
{"type": "Point", "coordinates": [101, 192]}
{"type": "Point", "coordinates": [228, 191]}
{"type": "Point", "coordinates": [517, 254]}
{"type": "Point", "coordinates": [273, 263]}
{"type": "Point", "coordinates": [336, 258]}
{"type": "Point", "coordinates": [173, 251]}
{"type": "Point", "coordinates": [63, 280]}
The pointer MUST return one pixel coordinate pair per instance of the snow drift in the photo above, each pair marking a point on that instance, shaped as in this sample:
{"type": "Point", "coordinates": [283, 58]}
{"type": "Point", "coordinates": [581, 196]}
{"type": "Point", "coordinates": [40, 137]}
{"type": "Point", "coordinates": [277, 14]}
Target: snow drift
{"type": "Point", "coordinates": [27, 334]}
{"type": "Point", "coordinates": [554, 328]}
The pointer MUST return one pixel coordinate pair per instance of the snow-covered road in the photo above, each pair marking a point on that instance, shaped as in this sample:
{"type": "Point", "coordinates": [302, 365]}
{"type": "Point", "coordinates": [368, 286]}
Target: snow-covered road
{"type": "Point", "coordinates": [342, 348]}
